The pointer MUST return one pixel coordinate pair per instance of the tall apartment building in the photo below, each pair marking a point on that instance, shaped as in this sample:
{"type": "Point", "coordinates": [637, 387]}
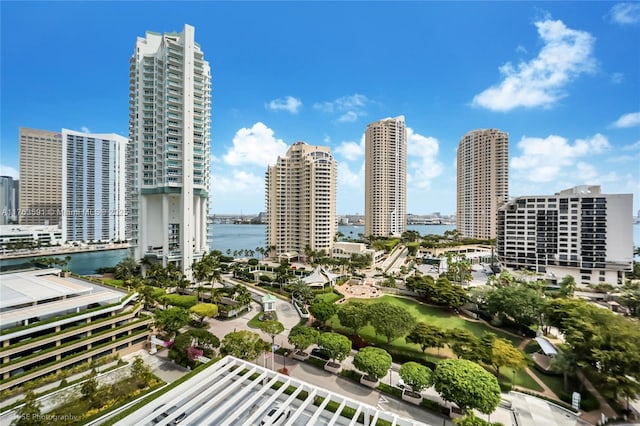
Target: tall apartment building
{"type": "Point", "coordinates": [40, 196]}
{"type": "Point", "coordinates": [579, 232]}
{"type": "Point", "coordinates": [8, 200]}
{"type": "Point", "coordinates": [300, 200]}
{"type": "Point", "coordinates": [169, 132]}
{"type": "Point", "coordinates": [386, 177]}
{"type": "Point", "coordinates": [94, 186]}
{"type": "Point", "coordinates": [483, 181]}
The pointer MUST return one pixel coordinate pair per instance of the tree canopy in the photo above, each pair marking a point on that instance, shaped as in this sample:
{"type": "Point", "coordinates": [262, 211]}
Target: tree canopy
{"type": "Point", "coordinates": [301, 337]}
{"type": "Point", "coordinates": [205, 310]}
{"type": "Point", "coordinates": [322, 310]}
{"type": "Point", "coordinates": [336, 345]}
{"type": "Point", "coordinates": [272, 328]}
{"type": "Point", "coordinates": [243, 344]}
{"type": "Point", "coordinates": [171, 320]}
{"type": "Point", "coordinates": [427, 336]}
{"type": "Point", "coordinates": [353, 315]}
{"type": "Point", "coordinates": [467, 384]}
{"type": "Point", "coordinates": [391, 321]}
{"type": "Point", "coordinates": [374, 362]}
{"type": "Point", "coordinates": [417, 376]}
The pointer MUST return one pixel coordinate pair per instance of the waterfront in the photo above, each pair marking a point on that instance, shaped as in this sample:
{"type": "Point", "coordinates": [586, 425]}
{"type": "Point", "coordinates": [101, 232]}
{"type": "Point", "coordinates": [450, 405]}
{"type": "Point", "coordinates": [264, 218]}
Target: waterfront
{"type": "Point", "coordinates": [232, 237]}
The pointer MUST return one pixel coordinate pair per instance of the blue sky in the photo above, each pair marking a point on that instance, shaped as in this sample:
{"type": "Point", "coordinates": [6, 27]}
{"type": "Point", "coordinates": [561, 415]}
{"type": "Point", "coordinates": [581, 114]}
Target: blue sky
{"type": "Point", "coordinates": [562, 78]}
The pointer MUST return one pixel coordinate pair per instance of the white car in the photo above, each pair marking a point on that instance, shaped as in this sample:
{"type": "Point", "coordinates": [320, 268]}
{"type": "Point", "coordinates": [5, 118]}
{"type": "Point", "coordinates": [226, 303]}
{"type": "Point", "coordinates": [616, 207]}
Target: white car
{"type": "Point", "coordinates": [277, 415]}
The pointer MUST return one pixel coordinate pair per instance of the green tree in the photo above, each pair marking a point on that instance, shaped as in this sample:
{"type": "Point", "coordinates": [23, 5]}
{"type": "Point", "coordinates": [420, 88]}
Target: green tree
{"type": "Point", "coordinates": [171, 320]}
{"type": "Point", "coordinates": [140, 373]}
{"type": "Point", "coordinates": [301, 291]}
{"type": "Point", "coordinates": [301, 337]}
{"type": "Point", "coordinates": [337, 346]}
{"type": "Point", "coordinates": [30, 412]}
{"type": "Point", "coordinates": [272, 328]}
{"type": "Point", "coordinates": [567, 286]}
{"type": "Point", "coordinates": [243, 344]}
{"type": "Point", "coordinates": [89, 390]}
{"type": "Point", "coordinates": [464, 344]}
{"type": "Point", "coordinates": [466, 384]}
{"type": "Point", "coordinates": [519, 302]}
{"type": "Point", "coordinates": [322, 310]}
{"type": "Point", "coordinates": [504, 354]}
{"type": "Point", "coordinates": [417, 376]}
{"type": "Point", "coordinates": [564, 363]}
{"type": "Point", "coordinates": [125, 269]}
{"type": "Point", "coordinates": [391, 321]}
{"type": "Point", "coordinates": [204, 310]}
{"type": "Point", "coordinates": [203, 338]}
{"type": "Point", "coordinates": [179, 348]}
{"type": "Point", "coordinates": [374, 362]}
{"type": "Point", "coordinates": [427, 336]}
{"type": "Point", "coordinates": [353, 315]}
{"type": "Point", "coordinates": [470, 419]}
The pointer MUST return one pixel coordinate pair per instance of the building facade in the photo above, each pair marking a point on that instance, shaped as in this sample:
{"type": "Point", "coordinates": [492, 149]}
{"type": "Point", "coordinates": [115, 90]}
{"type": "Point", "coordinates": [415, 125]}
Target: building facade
{"type": "Point", "coordinates": [8, 200]}
{"type": "Point", "coordinates": [483, 181]}
{"type": "Point", "coordinates": [50, 323]}
{"type": "Point", "coordinates": [40, 197]}
{"type": "Point", "coordinates": [579, 232]}
{"type": "Point", "coordinates": [169, 132]}
{"type": "Point", "coordinates": [300, 197]}
{"type": "Point", "coordinates": [93, 186]}
{"type": "Point", "coordinates": [386, 178]}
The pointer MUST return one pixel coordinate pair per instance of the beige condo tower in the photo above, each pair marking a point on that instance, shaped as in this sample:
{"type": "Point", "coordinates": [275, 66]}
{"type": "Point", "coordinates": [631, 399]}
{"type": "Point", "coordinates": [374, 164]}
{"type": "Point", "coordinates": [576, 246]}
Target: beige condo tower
{"type": "Point", "coordinates": [385, 189]}
{"type": "Point", "coordinates": [300, 197]}
{"type": "Point", "coordinates": [483, 181]}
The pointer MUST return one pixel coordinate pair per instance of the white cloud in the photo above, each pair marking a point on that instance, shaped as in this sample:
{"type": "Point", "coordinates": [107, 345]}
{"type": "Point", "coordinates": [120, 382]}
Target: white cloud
{"type": "Point", "coordinates": [423, 159]}
{"type": "Point", "coordinates": [237, 182]}
{"type": "Point", "coordinates": [256, 146]}
{"type": "Point", "coordinates": [8, 171]}
{"type": "Point", "coordinates": [548, 159]}
{"type": "Point", "coordinates": [625, 13]}
{"type": "Point", "coordinates": [351, 150]}
{"type": "Point", "coordinates": [628, 120]}
{"type": "Point", "coordinates": [350, 107]}
{"type": "Point", "coordinates": [566, 54]}
{"type": "Point", "coordinates": [617, 78]}
{"type": "Point", "coordinates": [85, 129]}
{"type": "Point", "coordinates": [288, 103]}
{"type": "Point", "coordinates": [632, 147]}
{"type": "Point", "coordinates": [348, 178]}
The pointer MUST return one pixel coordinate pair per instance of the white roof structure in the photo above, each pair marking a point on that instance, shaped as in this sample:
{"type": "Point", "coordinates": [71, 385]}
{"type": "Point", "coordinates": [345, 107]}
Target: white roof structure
{"type": "Point", "coordinates": [44, 294]}
{"type": "Point", "coordinates": [319, 278]}
{"type": "Point", "coordinates": [546, 346]}
{"type": "Point", "coordinates": [237, 392]}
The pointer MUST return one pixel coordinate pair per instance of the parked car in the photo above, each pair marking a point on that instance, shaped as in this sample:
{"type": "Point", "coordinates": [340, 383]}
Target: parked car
{"type": "Point", "coordinates": [274, 419]}
{"type": "Point", "coordinates": [166, 414]}
{"type": "Point", "coordinates": [320, 353]}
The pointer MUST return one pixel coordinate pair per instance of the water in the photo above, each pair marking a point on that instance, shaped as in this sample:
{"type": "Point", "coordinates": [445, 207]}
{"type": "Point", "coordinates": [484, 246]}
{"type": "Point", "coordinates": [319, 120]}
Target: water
{"type": "Point", "coordinates": [232, 237]}
{"type": "Point", "coordinates": [247, 237]}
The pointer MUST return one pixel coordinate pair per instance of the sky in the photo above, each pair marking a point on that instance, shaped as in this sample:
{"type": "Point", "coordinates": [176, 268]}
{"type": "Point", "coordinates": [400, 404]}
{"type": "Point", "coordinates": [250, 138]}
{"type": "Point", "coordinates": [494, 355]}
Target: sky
{"type": "Point", "coordinates": [562, 78]}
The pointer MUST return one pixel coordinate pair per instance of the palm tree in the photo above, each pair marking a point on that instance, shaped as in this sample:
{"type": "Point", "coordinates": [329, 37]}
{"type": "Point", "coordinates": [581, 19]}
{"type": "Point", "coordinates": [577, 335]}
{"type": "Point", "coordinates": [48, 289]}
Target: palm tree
{"type": "Point", "coordinates": [300, 290]}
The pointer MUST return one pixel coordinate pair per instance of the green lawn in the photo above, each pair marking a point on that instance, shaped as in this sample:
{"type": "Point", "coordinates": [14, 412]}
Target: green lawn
{"type": "Point", "coordinates": [431, 315]}
{"type": "Point", "coordinates": [255, 321]}
{"type": "Point", "coordinates": [330, 297]}
{"type": "Point", "coordinates": [521, 377]}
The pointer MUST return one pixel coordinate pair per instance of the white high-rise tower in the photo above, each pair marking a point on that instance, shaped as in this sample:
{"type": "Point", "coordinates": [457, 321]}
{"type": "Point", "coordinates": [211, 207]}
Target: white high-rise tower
{"type": "Point", "coordinates": [169, 132]}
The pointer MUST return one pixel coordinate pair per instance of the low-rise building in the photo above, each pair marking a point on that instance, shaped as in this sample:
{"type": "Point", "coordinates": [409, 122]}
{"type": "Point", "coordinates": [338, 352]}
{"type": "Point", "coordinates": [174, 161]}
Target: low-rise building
{"type": "Point", "coordinates": [16, 237]}
{"type": "Point", "coordinates": [345, 249]}
{"type": "Point", "coordinates": [578, 231]}
{"type": "Point", "coordinates": [50, 323]}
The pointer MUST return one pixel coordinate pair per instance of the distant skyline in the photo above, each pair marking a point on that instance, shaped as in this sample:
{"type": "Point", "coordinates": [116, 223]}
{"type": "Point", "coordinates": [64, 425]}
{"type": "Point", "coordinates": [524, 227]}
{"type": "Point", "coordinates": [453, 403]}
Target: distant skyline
{"type": "Point", "coordinates": [562, 78]}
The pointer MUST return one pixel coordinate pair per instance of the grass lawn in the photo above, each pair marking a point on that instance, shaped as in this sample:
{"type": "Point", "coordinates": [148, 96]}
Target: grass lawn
{"type": "Point", "coordinates": [255, 321]}
{"type": "Point", "coordinates": [442, 318]}
{"type": "Point", "coordinates": [522, 379]}
{"type": "Point", "coordinates": [556, 384]}
{"type": "Point", "coordinates": [330, 297]}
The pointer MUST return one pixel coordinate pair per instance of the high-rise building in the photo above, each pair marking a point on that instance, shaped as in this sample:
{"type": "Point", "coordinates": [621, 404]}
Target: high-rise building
{"type": "Point", "coordinates": [386, 178]}
{"type": "Point", "coordinates": [169, 133]}
{"type": "Point", "coordinates": [93, 186]}
{"type": "Point", "coordinates": [300, 199]}
{"type": "Point", "coordinates": [8, 207]}
{"type": "Point", "coordinates": [579, 232]}
{"type": "Point", "coordinates": [483, 181]}
{"type": "Point", "coordinates": [40, 196]}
